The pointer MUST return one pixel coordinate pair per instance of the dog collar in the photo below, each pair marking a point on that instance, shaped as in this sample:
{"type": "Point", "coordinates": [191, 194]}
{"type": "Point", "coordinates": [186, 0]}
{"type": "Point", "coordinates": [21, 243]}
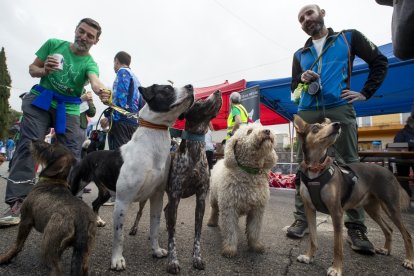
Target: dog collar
{"type": "Point", "coordinates": [249, 170]}
{"type": "Point", "coordinates": [192, 136]}
{"type": "Point", "coordinates": [54, 180]}
{"type": "Point", "coordinates": [320, 166]}
{"type": "Point", "coordinates": [143, 123]}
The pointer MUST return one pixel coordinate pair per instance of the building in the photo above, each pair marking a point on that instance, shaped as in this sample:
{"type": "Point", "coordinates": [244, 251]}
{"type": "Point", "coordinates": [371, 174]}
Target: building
{"type": "Point", "coordinates": [377, 131]}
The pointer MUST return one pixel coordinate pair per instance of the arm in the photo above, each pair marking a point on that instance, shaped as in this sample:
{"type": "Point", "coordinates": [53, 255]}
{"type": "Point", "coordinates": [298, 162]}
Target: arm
{"type": "Point", "coordinates": [400, 137]}
{"type": "Point", "coordinates": [99, 88]}
{"type": "Point", "coordinates": [40, 68]}
{"type": "Point", "coordinates": [92, 109]}
{"type": "Point", "coordinates": [237, 122]}
{"type": "Point", "coordinates": [88, 98]}
{"type": "Point", "coordinates": [296, 73]}
{"type": "Point", "coordinates": [377, 62]}
{"type": "Point", "coordinates": [122, 90]}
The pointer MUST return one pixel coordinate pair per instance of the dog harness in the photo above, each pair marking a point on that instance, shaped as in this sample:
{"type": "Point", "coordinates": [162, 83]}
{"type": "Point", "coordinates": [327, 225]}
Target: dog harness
{"type": "Point", "coordinates": [315, 185]}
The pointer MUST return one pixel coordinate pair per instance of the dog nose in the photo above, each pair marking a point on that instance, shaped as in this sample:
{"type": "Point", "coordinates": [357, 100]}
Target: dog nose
{"type": "Point", "coordinates": [189, 87]}
{"type": "Point", "coordinates": [336, 125]}
{"type": "Point", "coordinates": [267, 131]}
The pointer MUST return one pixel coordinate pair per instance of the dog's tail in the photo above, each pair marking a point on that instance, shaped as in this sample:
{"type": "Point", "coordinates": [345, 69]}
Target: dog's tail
{"type": "Point", "coordinates": [405, 200]}
{"type": "Point", "coordinates": [82, 247]}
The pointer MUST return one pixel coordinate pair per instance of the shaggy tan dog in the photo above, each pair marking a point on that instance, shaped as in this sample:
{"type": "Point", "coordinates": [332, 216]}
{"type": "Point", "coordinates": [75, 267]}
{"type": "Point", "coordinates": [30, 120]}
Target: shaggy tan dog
{"type": "Point", "coordinates": [239, 186]}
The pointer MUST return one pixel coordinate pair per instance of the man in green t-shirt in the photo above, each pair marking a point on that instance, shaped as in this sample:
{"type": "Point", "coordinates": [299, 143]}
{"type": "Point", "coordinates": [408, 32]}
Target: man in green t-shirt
{"type": "Point", "coordinates": [64, 68]}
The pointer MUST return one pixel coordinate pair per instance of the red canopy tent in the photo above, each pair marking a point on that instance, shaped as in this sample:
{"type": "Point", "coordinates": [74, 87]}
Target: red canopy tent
{"type": "Point", "coordinates": [267, 116]}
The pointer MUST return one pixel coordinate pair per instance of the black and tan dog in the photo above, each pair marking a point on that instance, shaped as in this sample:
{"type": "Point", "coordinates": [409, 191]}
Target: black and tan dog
{"type": "Point", "coordinates": [52, 210]}
{"type": "Point", "coordinates": [189, 175]}
{"type": "Point", "coordinates": [374, 188]}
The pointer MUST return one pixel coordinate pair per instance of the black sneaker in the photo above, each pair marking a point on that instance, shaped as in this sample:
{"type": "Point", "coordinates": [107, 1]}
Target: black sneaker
{"type": "Point", "coordinates": [358, 240]}
{"type": "Point", "coordinates": [298, 229]}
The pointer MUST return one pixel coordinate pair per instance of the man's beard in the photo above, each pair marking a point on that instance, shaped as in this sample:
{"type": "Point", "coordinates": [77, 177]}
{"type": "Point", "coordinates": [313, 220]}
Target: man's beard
{"type": "Point", "coordinates": [81, 46]}
{"type": "Point", "coordinates": [316, 26]}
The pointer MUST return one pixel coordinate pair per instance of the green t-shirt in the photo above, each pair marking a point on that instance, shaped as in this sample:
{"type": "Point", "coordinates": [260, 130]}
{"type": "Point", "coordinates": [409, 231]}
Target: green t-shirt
{"type": "Point", "coordinates": [72, 79]}
{"type": "Point", "coordinates": [235, 111]}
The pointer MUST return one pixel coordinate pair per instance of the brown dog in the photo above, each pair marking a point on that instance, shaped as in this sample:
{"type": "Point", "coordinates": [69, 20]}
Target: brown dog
{"type": "Point", "coordinates": [375, 188]}
{"type": "Point", "coordinates": [52, 210]}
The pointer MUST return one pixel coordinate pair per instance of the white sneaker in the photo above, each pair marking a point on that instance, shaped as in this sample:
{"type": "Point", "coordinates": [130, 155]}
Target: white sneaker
{"type": "Point", "coordinates": [12, 216]}
{"type": "Point", "coordinates": [110, 202]}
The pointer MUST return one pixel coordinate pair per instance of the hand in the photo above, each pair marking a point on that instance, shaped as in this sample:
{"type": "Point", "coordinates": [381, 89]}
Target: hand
{"type": "Point", "coordinates": [352, 96]}
{"type": "Point", "coordinates": [104, 95]}
{"type": "Point", "coordinates": [51, 65]}
{"type": "Point", "coordinates": [308, 76]}
{"type": "Point", "coordinates": [87, 96]}
{"type": "Point", "coordinates": [104, 123]}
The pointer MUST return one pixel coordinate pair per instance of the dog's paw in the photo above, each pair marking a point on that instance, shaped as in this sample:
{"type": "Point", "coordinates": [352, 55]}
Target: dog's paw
{"type": "Point", "coordinates": [408, 264]}
{"type": "Point", "coordinates": [229, 251]}
{"type": "Point", "coordinates": [173, 267]}
{"type": "Point", "coordinates": [198, 263]}
{"type": "Point", "coordinates": [382, 251]}
{"type": "Point", "coordinates": [100, 222]}
{"type": "Point", "coordinates": [212, 223]}
{"type": "Point", "coordinates": [160, 253]}
{"type": "Point", "coordinates": [332, 271]}
{"type": "Point", "coordinates": [258, 248]}
{"type": "Point", "coordinates": [5, 259]}
{"type": "Point", "coordinates": [304, 259]}
{"type": "Point", "coordinates": [133, 231]}
{"type": "Point", "coordinates": [118, 263]}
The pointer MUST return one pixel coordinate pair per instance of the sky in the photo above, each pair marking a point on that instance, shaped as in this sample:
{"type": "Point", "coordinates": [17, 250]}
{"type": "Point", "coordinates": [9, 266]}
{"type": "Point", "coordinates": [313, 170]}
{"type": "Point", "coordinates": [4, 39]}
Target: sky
{"type": "Point", "coordinates": [198, 42]}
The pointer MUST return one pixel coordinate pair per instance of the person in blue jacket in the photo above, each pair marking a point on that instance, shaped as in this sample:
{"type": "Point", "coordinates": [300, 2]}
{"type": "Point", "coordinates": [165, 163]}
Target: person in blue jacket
{"type": "Point", "coordinates": [322, 69]}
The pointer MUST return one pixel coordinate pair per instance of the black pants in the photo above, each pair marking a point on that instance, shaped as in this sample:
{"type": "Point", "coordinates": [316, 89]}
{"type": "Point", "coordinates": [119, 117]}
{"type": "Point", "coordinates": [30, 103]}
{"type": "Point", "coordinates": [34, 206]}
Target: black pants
{"type": "Point", "coordinates": [404, 170]}
{"type": "Point", "coordinates": [120, 134]}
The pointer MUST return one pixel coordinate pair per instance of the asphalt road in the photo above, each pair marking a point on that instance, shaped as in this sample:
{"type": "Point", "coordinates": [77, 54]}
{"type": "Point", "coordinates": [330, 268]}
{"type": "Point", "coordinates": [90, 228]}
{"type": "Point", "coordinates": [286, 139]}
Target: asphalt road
{"type": "Point", "coordinates": [278, 259]}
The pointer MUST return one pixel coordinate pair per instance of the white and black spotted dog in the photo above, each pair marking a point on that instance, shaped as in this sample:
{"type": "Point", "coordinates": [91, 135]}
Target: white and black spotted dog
{"type": "Point", "coordinates": [189, 175]}
{"type": "Point", "coordinates": [146, 156]}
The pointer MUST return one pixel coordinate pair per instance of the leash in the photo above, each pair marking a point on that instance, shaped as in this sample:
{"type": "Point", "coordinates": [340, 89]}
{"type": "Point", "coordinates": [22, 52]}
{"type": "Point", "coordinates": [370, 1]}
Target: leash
{"type": "Point", "coordinates": [117, 108]}
{"type": "Point", "coordinates": [30, 181]}
{"type": "Point", "coordinates": [120, 109]}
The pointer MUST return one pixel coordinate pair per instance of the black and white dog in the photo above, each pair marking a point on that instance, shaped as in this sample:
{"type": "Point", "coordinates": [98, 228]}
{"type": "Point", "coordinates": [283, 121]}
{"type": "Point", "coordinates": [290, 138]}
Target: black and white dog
{"type": "Point", "coordinates": [144, 172]}
{"type": "Point", "coordinates": [101, 167]}
{"type": "Point", "coordinates": [189, 175]}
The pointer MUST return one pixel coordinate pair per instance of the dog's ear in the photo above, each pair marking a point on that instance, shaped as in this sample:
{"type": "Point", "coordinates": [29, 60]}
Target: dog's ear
{"type": "Point", "coordinates": [229, 154]}
{"type": "Point", "coordinates": [182, 116]}
{"type": "Point", "coordinates": [60, 167]}
{"type": "Point", "coordinates": [299, 123]}
{"type": "Point", "coordinates": [147, 93]}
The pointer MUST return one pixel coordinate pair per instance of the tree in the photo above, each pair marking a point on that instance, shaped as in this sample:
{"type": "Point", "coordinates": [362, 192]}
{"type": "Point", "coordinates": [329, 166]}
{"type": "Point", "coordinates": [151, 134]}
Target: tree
{"type": "Point", "coordinates": [5, 86]}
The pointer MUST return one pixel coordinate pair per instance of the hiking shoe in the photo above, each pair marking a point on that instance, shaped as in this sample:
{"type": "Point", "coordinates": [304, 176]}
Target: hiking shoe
{"type": "Point", "coordinates": [298, 229]}
{"type": "Point", "coordinates": [359, 241]}
{"type": "Point", "coordinates": [12, 215]}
